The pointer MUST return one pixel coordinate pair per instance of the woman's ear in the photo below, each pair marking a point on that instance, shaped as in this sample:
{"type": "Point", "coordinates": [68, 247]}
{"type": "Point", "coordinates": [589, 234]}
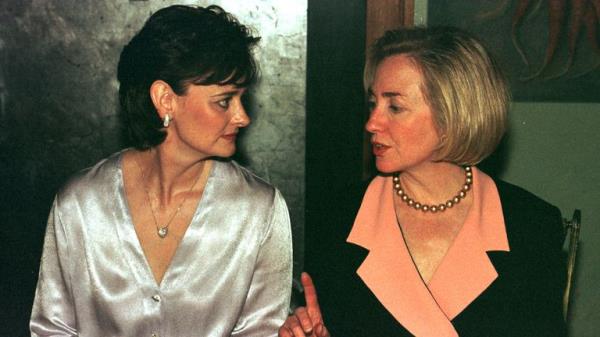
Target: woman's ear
{"type": "Point", "coordinates": [163, 98]}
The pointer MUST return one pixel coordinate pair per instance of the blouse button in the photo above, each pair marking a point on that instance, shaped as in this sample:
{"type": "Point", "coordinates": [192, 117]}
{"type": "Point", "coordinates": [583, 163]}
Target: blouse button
{"type": "Point", "coordinates": [156, 298]}
{"type": "Point", "coordinates": [154, 335]}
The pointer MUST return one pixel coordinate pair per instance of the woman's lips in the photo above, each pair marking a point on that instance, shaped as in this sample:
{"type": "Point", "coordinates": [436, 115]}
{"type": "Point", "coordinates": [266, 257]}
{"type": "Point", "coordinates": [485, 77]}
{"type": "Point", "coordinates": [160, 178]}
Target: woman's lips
{"type": "Point", "coordinates": [230, 137]}
{"type": "Point", "coordinates": [379, 149]}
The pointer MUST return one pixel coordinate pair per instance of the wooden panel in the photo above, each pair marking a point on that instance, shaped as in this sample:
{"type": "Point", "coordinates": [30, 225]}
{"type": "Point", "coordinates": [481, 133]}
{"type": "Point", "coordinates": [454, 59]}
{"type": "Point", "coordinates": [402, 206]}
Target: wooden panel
{"type": "Point", "coordinates": [383, 15]}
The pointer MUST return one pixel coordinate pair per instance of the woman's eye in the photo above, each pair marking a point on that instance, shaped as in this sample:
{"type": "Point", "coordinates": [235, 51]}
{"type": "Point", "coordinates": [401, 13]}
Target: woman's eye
{"type": "Point", "coordinates": [370, 105]}
{"type": "Point", "coordinates": [224, 103]}
{"type": "Point", "coordinates": [396, 108]}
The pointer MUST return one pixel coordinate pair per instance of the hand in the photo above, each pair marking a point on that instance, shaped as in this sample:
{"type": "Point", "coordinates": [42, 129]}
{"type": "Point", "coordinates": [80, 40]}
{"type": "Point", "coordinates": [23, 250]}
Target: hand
{"type": "Point", "coordinates": [306, 321]}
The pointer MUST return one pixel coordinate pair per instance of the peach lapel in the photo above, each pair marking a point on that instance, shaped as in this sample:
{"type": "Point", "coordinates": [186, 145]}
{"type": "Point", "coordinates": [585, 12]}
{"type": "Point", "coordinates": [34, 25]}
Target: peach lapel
{"type": "Point", "coordinates": [466, 270]}
{"type": "Point", "coordinates": [388, 270]}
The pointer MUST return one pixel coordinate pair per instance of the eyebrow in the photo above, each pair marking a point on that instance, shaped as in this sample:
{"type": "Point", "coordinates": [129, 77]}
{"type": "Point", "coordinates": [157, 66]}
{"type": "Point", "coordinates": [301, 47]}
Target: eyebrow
{"type": "Point", "coordinates": [230, 92]}
{"type": "Point", "coordinates": [386, 94]}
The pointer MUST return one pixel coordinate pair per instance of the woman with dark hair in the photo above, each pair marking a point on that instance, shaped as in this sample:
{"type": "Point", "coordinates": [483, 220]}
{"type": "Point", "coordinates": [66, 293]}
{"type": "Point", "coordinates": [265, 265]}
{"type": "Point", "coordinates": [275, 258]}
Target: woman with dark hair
{"type": "Point", "coordinates": [169, 237]}
{"type": "Point", "coordinates": [437, 247]}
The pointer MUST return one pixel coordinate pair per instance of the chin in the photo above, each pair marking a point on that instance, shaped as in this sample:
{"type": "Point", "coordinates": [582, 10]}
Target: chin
{"type": "Point", "coordinates": [218, 153]}
{"type": "Point", "coordinates": [227, 153]}
{"type": "Point", "coordinates": [386, 168]}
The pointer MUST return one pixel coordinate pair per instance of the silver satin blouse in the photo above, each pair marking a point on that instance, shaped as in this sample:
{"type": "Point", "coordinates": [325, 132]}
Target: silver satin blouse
{"type": "Point", "coordinates": [230, 276]}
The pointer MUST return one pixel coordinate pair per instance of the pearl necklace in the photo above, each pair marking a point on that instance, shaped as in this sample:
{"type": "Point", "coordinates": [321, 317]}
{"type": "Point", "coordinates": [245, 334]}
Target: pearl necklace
{"type": "Point", "coordinates": [435, 208]}
{"type": "Point", "coordinates": [164, 230]}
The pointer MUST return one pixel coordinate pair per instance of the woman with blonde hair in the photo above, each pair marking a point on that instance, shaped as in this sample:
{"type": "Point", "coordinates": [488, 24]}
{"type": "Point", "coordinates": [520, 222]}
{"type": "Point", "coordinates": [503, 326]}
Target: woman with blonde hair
{"type": "Point", "coordinates": [437, 248]}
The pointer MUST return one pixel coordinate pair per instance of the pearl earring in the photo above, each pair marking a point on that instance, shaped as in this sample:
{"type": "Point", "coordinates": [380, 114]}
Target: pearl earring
{"type": "Point", "coordinates": [167, 120]}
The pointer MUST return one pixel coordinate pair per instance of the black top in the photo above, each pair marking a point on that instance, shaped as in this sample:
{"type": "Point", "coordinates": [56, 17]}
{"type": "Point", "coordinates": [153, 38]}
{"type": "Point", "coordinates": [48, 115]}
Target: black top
{"type": "Point", "coordinates": [524, 300]}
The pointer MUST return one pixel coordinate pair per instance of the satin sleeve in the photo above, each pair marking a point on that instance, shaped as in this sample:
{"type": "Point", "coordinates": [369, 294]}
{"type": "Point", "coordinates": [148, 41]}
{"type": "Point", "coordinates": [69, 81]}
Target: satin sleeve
{"type": "Point", "coordinates": [267, 302]}
{"type": "Point", "coordinates": [53, 312]}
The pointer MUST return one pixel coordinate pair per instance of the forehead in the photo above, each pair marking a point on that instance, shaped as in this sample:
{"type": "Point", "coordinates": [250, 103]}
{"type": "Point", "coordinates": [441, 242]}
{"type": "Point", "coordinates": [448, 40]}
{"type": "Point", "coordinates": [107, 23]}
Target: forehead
{"type": "Point", "coordinates": [396, 73]}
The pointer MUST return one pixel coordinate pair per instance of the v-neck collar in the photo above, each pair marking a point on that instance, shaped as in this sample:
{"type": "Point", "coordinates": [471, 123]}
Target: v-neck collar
{"type": "Point", "coordinates": [126, 232]}
{"type": "Point", "coordinates": [464, 273]}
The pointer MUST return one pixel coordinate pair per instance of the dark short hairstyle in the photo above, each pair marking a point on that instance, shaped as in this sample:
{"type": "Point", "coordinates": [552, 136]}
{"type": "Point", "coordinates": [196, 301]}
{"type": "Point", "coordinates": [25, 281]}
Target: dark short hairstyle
{"type": "Point", "coordinates": [463, 84]}
{"type": "Point", "coordinates": [182, 46]}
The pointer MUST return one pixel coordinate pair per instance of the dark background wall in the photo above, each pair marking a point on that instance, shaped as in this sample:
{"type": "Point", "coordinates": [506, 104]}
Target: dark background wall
{"type": "Point", "coordinates": [335, 112]}
{"type": "Point", "coordinates": [58, 114]}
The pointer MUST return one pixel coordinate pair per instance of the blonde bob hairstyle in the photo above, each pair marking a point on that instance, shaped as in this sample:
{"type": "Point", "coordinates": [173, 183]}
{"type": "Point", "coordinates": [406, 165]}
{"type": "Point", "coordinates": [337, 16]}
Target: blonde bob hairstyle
{"type": "Point", "coordinates": [463, 84]}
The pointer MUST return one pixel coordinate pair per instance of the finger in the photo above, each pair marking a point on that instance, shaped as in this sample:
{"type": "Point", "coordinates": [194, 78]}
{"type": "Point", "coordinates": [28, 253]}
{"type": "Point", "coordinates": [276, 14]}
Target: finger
{"type": "Point", "coordinates": [310, 295]}
{"type": "Point", "coordinates": [310, 292]}
{"type": "Point", "coordinates": [304, 318]}
{"type": "Point", "coordinates": [321, 331]}
{"type": "Point", "coordinates": [293, 324]}
{"type": "Point", "coordinates": [284, 332]}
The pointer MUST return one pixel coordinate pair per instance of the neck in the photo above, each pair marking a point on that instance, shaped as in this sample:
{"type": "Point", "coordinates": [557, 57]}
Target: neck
{"type": "Point", "coordinates": [433, 182]}
{"type": "Point", "coordinates": [169, 173]}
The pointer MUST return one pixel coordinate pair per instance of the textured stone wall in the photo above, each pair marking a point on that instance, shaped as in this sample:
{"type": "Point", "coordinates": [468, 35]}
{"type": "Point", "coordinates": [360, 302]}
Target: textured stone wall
{"type": "Point", "coordinates": [58, 106]}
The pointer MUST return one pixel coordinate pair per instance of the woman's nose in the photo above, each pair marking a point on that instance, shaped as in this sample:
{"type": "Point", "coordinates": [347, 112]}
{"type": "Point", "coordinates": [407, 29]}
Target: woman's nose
{"type": "Point", "coordinates": [241, 118]}
{"type": "Point", "coordinates": [374, 122]}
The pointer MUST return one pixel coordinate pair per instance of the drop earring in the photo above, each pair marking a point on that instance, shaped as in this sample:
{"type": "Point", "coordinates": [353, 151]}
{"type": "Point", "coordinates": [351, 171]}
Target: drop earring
{"type": "Point", "coordinates": [167, 120]}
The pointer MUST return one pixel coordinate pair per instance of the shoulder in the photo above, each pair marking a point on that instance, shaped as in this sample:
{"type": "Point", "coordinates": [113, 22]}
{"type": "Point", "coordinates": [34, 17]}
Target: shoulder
{"type": "Point", "coordinates": [242, 180]}
{"type": "Point", "coordinates": [528, 217]}
{"type": "Point", "coordinates": [260, 203]}
{"type": "Point", "coordinates": [518, 201]}
{"type": "Point", "coordinates": [93, 181]}
{"type": "Point", "coordinates": [514, 193]}
{"type": "Point", "coordinates": [243, 190]}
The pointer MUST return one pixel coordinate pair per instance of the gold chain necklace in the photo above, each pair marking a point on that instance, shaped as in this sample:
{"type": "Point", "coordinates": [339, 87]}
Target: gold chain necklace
{"type": "Point", "coordinates": [435, 208]}
{"type": "Point", "coordinates": [164, 230]}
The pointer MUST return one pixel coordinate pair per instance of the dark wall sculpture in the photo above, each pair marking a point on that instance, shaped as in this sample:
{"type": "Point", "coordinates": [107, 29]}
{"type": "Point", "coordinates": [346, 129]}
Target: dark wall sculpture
{"type": "Point", "coordinates": [58, 114]}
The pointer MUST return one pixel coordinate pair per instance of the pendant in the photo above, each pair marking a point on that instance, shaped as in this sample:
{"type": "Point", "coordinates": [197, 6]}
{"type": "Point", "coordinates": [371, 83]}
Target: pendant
{"type": "Point", "coordinates": [162, 232]}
